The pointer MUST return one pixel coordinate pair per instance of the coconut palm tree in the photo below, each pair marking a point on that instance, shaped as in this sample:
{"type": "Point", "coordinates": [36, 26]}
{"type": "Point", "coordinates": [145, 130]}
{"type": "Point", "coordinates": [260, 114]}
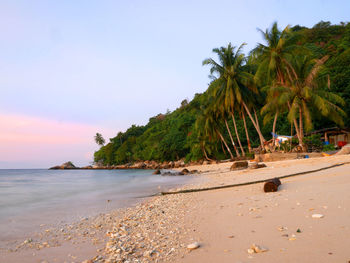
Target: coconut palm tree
{"type": "Point", "coordinates": [231, 82]}
{"type": "Point", "coordinates": [308, 90]}
{"type": "Point", "coordinates": [272, 59]}
{"type": "Point", "coordinates": [211, 128]}
{"type": "Point", "coordinates": [216, 103]}
{"type": "Point", "coordinates": [99, 139]}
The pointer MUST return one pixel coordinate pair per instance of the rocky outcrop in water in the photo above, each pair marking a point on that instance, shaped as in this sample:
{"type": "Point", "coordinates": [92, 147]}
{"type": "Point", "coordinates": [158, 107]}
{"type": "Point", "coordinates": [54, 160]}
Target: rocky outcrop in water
{"type": "Point", "coordinates": [67, 165]}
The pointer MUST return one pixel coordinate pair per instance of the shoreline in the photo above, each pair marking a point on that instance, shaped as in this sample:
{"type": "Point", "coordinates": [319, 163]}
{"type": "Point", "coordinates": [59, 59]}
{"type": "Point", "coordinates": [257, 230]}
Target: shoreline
{"type": "Point", "coordinates": [75, 239]}
{"type": "Point", "coordinates": [159, 228]}
{"type": "Point", "coordinates": [197, 220]}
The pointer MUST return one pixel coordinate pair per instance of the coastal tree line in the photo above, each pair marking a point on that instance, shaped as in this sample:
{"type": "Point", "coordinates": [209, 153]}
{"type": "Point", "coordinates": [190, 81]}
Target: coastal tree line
{"type": "Point", "coordinates": [298, 79]}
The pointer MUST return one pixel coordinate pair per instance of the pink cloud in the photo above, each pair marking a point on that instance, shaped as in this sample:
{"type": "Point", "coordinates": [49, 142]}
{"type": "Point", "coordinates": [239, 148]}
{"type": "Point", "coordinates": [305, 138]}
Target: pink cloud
{"type": "Point", "coordinates": [41, 142]}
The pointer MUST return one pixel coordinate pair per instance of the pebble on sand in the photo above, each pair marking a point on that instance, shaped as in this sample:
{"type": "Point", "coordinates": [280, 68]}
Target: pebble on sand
{"type": "Point", "coordinates": [256, 249]}
{"type": "Point", "coordinates": [193, 246]}
{"type": "Point", "coordinates": [317, 216]}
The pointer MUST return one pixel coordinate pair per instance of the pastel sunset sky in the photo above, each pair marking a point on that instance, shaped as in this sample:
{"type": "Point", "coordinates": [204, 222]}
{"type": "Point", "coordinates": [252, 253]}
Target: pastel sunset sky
{"type": "Point", "coordinates": [69, 69]}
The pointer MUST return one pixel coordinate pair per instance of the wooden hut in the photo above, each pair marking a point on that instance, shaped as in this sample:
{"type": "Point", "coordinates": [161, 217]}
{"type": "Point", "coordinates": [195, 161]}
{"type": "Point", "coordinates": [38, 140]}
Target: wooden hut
{"type": "Point", "coordinates": [336, 136]}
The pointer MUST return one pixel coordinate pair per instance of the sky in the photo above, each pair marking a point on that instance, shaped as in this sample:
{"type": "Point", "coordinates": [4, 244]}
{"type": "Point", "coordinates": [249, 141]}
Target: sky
{"type": "Point", "coordinates": [69, 69]}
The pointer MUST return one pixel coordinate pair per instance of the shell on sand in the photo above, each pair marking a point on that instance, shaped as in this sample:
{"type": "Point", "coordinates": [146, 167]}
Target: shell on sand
{"type": "Point", "coordinates": [317, 216]}
{"type": "Point", "coordinates": [194, 245]}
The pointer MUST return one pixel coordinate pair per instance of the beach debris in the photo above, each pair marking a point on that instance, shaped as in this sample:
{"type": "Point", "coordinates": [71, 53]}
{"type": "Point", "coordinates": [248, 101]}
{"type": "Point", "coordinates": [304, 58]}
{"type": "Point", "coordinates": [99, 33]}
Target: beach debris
{"type": "Point", "coordinates": [292, 238]}
{"type": "Point", "coordinates": [282, 228]}
{"type": "Point", "coordinates": [27, 241]}
{"type": "Point", "coordinates": [298, 230]}
{"type": "Point", "coordinates": [250, 251]}
{"type": "Point", "coordinates": [239, 165]}
{"type": "Point", "coordinates": [193, 246]}
{"type": "Point", "coordinates": [317, 216]}
{"type": "Point", "coordinates": [256, 249]}
{"type": "Point", "coordinates": [272, 185]}
{"type": "Point", "coordinates": [231, 236]}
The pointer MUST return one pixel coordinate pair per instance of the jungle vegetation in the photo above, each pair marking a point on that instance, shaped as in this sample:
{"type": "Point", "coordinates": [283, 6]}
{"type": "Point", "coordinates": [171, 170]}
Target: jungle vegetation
{"type": "Point", "coordinates": [297, 80]}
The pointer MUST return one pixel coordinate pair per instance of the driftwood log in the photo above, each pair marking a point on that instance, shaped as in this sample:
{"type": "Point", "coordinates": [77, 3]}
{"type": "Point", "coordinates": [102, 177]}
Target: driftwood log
{"type": "Point", "coordinates": [247, 183]}
{"type": "Point", "coordinates": [272, 185]}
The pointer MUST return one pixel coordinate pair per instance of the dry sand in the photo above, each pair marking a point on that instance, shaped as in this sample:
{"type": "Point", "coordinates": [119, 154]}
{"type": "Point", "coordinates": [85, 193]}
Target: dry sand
{"type": "Point", "coordinates": [228, 221]}
{"type": "Point", "coordinates": [225, 222]}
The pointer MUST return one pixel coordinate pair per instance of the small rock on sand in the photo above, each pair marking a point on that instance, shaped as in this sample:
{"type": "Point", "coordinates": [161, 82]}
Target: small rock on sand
{"type": "Point", "coordinates": [317, 216]}
{"type": "Point", "coordinates": [238, 165]}
{"type": "Point", "coordinates": [193, 246]}
{"type": "Point", "coordinates": [256, 249]}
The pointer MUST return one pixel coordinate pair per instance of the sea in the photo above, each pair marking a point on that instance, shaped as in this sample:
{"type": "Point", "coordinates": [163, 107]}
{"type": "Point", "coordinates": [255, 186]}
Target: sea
{"type": "Point", "coordinates": [32, 197]}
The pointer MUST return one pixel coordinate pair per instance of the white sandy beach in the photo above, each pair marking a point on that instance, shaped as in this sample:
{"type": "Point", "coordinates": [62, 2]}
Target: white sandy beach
{"type": "Point", "coordinates": [225, 222]}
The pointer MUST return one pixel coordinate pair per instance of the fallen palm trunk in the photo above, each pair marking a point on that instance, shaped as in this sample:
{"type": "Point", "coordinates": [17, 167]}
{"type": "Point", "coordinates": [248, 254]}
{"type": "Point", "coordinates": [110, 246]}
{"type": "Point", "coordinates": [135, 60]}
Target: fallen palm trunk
{"type": "Point", "coordinates": [248, 183]}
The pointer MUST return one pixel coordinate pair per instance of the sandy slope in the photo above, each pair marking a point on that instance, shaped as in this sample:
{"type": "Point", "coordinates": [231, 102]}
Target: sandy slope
{"type": "Point", "coordinates": [226, 222]}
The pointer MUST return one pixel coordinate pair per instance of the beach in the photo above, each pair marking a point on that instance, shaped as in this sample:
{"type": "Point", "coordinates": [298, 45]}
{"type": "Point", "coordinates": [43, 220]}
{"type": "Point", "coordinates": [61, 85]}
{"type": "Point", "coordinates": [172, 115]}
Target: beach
{"type": "Point", "coordinates": [224, 222]}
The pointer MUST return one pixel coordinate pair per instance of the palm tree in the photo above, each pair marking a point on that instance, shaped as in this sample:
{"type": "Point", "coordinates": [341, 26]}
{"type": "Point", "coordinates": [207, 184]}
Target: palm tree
{"type": "Point", "coordinates": [215, 103]}
{"type": "Point", "coordinates": [99, 139]}
{"type": "Point", "coordinates": [230, 80]}
{"type": "Point", "coordinates": [211, 128]}
{"type": "Point", "coordinates": [273, 64]}
{"type": "Point", "coordinates": [308, 90]}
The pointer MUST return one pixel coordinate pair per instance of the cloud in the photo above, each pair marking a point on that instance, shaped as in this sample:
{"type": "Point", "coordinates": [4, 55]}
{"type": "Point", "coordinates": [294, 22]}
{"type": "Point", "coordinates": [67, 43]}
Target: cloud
{"type": "Point", "coordinates": [41, 142]}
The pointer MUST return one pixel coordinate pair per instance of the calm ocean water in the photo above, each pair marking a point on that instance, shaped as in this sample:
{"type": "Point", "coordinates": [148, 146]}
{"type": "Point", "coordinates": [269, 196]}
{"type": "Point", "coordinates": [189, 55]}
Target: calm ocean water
{"type": "Point", "coordinates": [32, 197]}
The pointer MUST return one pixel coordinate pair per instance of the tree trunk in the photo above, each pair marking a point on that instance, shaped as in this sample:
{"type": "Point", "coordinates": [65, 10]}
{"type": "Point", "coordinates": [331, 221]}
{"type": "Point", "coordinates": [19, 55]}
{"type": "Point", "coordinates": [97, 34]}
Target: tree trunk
{"type": "Point", "coordinates": [301, 131]}
{"type": "Point", "coordinates": [274, 128]}
{"type": "Point", "coordinates": [237, 135]}
{"type": "Point", "coordinates": [261, 137]}
{"type": "Point", "coordinates": [295, 125]}
{"type": "Point", "coordinates": [291, 135]}
{"type": "Point", "coordinates": [228, 148]}
{"type": "Point", "coordinates": [222, 147]}
{"type": "Point", "coordinates": [205, 153]}
{"type": "Point", "coordinates": [233, 143]}
{"type": "Point", "coordinates": [256, 119]}
{"type": "Point", "coordinates": [246, 133]}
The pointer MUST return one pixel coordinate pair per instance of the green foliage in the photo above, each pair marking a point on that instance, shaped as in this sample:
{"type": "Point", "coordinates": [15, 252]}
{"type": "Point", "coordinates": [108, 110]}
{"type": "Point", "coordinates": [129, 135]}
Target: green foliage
{"type": "Point", "coordinates": [286, 145]}
{"type": "Point", "coordinates": [313, 142]}
{"type": "Point", "coordinates": [328, 147]}
{"type": "Point", "coordinates": [183, 133]}
{"type": "Point", "coordinates": [99, 139]}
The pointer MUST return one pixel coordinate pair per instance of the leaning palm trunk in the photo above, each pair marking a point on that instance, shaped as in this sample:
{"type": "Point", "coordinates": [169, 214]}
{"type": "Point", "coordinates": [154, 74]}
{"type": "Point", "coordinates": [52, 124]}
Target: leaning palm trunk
{"type": "Point", "coordinates": [205, 153]}
{"type": "Point", "coordinates": [274, 129]}
{"type": "Point", "coordinates": [296, 126]}
{"type": "Point", "coordinates": [256, 125]}
{"type": "Point", "coordinates": [297, 131]}
{"type": "Point", "coordinates": [228, 148]}
{"type": "Point", "coordinates": [301, 142]}
{"type": "Point", "coordinates": [237, 135]}
{"type": "Point", "coordinates": [233, 143]}
{"type": "Point", "coordinates": [246, 133]}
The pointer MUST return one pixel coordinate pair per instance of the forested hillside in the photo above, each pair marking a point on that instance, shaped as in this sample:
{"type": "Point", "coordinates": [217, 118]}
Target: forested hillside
{"type": "Point", "coordinates": [298, 79]}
